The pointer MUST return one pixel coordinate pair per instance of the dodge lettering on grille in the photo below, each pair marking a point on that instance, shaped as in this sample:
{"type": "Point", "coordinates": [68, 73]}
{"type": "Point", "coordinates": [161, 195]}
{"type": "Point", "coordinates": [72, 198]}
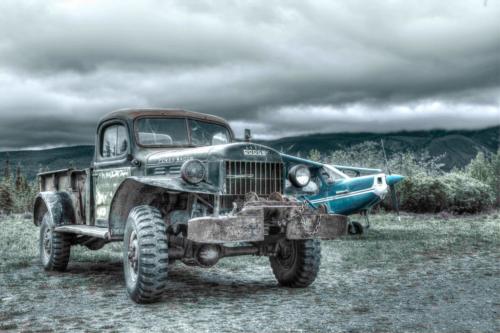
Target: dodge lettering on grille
{"type": "Point", "coordinates": [254, 152]}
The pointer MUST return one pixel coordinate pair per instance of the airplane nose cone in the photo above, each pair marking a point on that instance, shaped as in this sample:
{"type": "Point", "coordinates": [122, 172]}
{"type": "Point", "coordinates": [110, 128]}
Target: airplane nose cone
{"type": "Point", "coordinates": [393, 179]}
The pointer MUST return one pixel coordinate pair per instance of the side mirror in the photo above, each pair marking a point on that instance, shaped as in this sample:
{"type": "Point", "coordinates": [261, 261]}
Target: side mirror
{"type": "Point", "coordinates": [248, 135]}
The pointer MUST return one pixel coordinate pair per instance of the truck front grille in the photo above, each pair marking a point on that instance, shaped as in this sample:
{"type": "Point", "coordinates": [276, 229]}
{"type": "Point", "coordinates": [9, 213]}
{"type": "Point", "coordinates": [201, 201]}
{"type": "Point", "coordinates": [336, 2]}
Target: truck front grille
{"type": "Point", "coordinates": [262, 178]}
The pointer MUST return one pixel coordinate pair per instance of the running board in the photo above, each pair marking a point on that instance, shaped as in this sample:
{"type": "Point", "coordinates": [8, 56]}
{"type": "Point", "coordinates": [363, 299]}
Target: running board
{"type": "Point", "coordinates": [86, 230]}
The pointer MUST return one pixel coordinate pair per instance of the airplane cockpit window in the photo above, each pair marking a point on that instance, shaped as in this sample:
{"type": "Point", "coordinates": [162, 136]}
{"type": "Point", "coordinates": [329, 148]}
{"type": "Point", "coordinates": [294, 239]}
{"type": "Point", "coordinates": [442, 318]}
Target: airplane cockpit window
{"type": "Point", "coordinates": [331, 175]}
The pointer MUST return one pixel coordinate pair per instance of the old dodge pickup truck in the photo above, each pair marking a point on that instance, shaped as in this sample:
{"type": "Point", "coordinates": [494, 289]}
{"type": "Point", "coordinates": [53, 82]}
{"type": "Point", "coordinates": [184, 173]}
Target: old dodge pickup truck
{"type": "Point", "coordinates": [175, 185]}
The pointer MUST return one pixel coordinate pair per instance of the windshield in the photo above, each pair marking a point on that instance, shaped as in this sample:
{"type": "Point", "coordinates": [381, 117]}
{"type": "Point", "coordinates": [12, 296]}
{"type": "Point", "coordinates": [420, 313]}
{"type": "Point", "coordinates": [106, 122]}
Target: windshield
{"type": "Point", "coordinates": [335, 173]}
{"type": "Point", "coordinates": [180, 132]}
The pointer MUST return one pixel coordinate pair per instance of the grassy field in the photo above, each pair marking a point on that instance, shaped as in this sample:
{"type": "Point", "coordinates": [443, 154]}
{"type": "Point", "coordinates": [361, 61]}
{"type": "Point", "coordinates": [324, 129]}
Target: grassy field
{"type": "Point", "coordinates": [427, 273]}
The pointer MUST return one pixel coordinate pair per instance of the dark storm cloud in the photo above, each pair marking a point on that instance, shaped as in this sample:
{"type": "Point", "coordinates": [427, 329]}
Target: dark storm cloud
{"type": "Point", "coordinates": [282, 67]}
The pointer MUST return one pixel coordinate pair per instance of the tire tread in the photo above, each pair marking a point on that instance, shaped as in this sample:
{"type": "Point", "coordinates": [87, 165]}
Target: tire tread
{"type": "Point", "coordinates": [153, 247]}
{"type": "Point", "coordinates": [306, 268]}
{"type": "Point", "coordinates": [61, 248]}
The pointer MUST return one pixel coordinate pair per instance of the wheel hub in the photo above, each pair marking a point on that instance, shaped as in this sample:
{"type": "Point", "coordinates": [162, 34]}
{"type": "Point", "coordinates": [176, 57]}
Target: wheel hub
{"type": "Point", "coordinates": [47, 242]}
{"type": "Point", "coordinates": [133, 255]}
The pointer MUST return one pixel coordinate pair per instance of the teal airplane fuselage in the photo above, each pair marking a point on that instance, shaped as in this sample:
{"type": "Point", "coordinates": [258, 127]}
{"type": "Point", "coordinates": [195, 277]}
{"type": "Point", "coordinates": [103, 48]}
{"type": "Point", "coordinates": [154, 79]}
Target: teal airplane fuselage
{"type": "Point", "coordinates": [341, 194]}
{"type": "Point", "coordinates": [347, 196]}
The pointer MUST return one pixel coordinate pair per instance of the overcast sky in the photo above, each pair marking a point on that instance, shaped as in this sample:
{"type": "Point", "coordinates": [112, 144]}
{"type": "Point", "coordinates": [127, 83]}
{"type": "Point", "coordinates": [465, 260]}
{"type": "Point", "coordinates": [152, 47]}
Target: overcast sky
{"type": "Point", "coordinates": [280, 68]}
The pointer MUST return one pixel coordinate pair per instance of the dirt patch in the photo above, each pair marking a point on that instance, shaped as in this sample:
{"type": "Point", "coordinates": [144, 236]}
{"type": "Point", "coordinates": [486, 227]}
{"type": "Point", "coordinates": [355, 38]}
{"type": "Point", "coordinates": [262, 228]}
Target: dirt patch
{"type": "Point", "coordinates": [420, 275]}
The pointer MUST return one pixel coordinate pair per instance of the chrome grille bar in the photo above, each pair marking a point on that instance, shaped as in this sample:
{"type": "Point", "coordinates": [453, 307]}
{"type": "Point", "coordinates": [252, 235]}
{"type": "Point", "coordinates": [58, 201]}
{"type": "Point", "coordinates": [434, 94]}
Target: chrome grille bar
{"type": "Point", "coordinates": [262, 178]}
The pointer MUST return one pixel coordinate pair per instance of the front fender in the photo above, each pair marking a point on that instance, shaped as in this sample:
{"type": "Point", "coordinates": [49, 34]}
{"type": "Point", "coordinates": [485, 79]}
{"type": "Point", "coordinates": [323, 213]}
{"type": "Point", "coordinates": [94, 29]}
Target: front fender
{"type": "Point", "coordinates": [58, 204]}
{"type": "Point", "coordinates": [135, 191]}
{"type": "Point", "coordinates": [176, 184]}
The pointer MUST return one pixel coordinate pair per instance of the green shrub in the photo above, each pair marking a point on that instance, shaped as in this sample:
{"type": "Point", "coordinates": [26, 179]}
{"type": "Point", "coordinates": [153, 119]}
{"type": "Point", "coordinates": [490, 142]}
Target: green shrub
{"type": "Point", "coordinates": [466, 194]}
{"type": "Point", "coordinates": [16, 193]}
{"type": "Point", "coordinates": [495, 161]}
{"type": "Point", "coordinates": [487, 170]}
{"type": "Point", "coordinates": [6, 200]}
{"type": "Point", "coordinates": [480, 168]}
{"type": "Point", "coordinates": [370, 155]}
{"type": "Point", "coordinates": [454, 192]}
{"type": "Point", "coordinates": [422, 194]}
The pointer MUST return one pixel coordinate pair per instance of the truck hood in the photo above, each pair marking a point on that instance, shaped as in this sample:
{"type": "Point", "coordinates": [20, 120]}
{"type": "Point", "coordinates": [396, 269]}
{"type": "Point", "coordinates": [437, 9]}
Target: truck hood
{"type": "Point", "coordinates": [233, 151]}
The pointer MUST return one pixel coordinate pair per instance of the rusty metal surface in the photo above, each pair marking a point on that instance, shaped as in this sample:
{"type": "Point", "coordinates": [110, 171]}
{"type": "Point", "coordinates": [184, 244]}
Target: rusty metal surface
{"type": "Point", "coordinates": [245, 227]}
{"type": "Point", "coordinates": [44, 173]}
{"type": "Point", "coordinates": [299, 221]}
{"type": "Point", "coordinates": [324, 226]}
{"type": "Point", "coordinates": [274, 203]}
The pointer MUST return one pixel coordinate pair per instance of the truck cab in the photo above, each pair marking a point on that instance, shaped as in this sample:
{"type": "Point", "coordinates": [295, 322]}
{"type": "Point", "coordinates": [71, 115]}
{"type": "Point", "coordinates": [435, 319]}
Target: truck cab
{"type": "Point", "coordinates": [176, 185]}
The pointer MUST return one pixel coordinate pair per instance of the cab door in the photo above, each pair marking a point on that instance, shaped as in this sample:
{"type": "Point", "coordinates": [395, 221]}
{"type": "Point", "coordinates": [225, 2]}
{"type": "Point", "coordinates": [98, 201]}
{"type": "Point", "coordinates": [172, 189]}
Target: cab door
{"type": "Point", "coordinates": [111, 167]}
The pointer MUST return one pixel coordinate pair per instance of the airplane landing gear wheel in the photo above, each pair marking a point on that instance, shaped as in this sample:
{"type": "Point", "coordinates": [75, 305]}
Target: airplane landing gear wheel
{"type": "Point", "coordinates": [355, 228]}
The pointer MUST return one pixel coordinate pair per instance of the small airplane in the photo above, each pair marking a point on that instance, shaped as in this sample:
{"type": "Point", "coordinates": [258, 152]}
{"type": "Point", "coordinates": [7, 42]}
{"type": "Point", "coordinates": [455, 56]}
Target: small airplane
{"type": "Point", "coordinates": [333, 191]}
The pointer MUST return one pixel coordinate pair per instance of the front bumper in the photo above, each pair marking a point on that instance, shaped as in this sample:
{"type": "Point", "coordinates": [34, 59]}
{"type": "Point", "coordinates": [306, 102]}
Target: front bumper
{"type": "Point", "coordinates": [253, 222]}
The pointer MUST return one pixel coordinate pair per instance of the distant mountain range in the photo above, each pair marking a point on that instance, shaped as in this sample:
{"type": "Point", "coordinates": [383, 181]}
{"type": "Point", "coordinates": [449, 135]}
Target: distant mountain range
{"type": "Point", "coordinates": [459, 147]}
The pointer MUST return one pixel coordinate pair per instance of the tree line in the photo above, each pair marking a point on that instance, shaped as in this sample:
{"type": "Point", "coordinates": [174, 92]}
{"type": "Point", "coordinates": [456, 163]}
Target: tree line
{"type": "Point", "coordinates": [17, 193]}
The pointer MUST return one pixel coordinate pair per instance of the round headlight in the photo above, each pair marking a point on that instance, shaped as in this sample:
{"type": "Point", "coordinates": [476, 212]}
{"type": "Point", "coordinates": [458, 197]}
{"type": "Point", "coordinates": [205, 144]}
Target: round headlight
{"type": "Point", "coordinates": [193, 171]}
{"type": "Point", "coordinates": [299, 175]}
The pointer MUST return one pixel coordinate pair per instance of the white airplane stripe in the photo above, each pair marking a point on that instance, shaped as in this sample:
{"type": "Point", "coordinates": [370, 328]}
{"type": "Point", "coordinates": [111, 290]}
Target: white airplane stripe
{"type": "Point", "coordinates": [341, 196]}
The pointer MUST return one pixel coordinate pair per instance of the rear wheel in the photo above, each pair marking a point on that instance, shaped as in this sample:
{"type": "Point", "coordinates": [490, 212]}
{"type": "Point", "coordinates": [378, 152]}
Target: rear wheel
{"type": "Point", "coordinates": [297, 262]}
{"type": "Point", "coordinates": [145, 255]}
{"type": "Point", "coordinates": [54, 246]}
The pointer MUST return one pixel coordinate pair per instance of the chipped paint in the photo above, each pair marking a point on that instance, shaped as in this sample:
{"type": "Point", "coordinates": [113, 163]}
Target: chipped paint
{"type": "Point", "coordinates": [106, 183]}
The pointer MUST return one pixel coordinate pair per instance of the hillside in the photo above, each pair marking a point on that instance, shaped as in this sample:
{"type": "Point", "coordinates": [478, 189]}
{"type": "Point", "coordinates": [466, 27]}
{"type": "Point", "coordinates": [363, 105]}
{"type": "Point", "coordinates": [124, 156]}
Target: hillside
{"type": "Point", "coordinates": [32, 161]}
{"type": "Point", "coordinates": [459, 147]}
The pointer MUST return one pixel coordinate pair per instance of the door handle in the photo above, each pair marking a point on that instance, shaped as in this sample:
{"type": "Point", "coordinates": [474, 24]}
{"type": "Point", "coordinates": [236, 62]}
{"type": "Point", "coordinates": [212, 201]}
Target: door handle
{"type": "Point", "coordinates": [342, 192]}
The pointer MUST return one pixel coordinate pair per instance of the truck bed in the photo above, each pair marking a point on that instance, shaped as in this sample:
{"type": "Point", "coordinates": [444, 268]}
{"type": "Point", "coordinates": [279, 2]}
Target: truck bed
{"type": "Point", "coordinates": [77, 183]}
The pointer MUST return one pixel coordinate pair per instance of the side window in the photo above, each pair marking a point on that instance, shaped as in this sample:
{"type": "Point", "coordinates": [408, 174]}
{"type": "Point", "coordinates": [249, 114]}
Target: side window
{"type": "Point", "coordinates": [114, 141]}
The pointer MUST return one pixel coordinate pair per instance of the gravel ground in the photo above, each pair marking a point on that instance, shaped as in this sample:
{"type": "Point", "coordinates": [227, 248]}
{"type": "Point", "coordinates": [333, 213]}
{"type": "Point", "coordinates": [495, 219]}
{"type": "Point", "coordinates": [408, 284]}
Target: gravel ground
{"type": "Point", "coordinates": [422, 275]}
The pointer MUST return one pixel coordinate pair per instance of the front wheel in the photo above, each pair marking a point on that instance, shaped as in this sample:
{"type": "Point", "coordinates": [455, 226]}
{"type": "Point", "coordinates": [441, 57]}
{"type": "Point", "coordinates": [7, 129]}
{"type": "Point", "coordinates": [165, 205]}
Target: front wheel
{"type": "Point", "coordinates": [297, 262]}
{"type": "Point", "coordinates": [145, 255]}
{"type": "Point", "coordinates": [355, 228]}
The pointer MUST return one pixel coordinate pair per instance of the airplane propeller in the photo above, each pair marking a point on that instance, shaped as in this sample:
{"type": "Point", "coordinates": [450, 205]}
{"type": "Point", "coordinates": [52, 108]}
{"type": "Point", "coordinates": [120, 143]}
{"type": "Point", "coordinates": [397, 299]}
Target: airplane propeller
{"type": "Point", "coordinates": [394, 199]}
{"type": "Point", "coordinates": [391, 180]}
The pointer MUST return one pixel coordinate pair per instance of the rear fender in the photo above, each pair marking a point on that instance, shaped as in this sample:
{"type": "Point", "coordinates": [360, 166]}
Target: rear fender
{"type": "Point", "coordinates": [59, 206]}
